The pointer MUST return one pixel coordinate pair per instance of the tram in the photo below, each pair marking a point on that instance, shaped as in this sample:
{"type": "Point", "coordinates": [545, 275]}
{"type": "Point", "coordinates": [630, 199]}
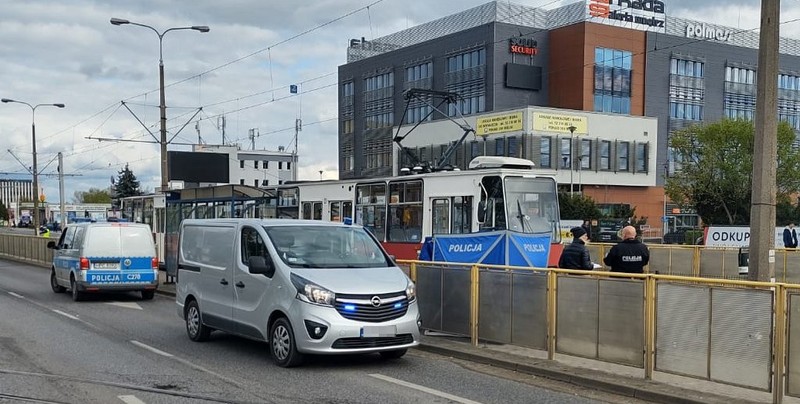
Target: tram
{"type": "Point", "coordinates": [495, 193]}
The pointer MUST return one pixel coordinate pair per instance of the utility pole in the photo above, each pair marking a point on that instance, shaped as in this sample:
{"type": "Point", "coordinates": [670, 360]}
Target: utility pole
{"type": "Point", "coordinates": [61, 205]}
{"type": "Point", "coordinates": [221, 124]}
{"type": "Point", "coordinates": [252, 135]}
{"type": "Point", "coordinates": [762, 205]}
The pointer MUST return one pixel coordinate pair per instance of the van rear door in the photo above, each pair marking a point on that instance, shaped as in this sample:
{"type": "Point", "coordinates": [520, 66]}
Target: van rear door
{"type": "Point", "coordinates": [119, 253]}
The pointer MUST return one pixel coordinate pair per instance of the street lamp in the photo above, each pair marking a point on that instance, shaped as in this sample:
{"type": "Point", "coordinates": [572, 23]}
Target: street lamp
{"type": "Point", "coordinates": [162, 104]}
{"type": "Point", "coordinates": [34, 172]}
{"type": "Point", "coordinates": [571, 154]}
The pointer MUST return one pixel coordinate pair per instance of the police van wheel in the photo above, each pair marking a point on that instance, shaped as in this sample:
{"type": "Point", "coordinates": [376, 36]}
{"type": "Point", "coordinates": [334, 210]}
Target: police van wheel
{"type": "Point", "coordinates": [194, 323]}
{"type": "Point", "coordinates": [54, 283]}
{"type": "Point", "coordinates": [282, 344]}
{"type": "Point", "coordinates": [76, 294]}
{"type": "Point", "coordinates": [148, 294]}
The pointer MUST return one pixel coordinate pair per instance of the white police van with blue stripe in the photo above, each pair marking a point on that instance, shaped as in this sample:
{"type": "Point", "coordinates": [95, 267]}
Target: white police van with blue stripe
{"type": "Point", "coordinates": [101, 257]}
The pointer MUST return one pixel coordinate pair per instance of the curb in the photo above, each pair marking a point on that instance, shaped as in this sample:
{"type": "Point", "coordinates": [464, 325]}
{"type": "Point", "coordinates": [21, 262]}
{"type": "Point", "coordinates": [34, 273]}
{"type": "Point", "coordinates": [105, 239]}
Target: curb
{"type": "Point", "coordinates": [637, 388]}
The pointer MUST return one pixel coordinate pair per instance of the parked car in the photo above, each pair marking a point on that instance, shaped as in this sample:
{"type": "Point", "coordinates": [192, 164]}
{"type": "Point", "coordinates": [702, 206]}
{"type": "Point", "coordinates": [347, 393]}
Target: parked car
{"type": "Point", "coordinates": [100, 257]}
{"type": "Point", "coordinates": [305, 287]}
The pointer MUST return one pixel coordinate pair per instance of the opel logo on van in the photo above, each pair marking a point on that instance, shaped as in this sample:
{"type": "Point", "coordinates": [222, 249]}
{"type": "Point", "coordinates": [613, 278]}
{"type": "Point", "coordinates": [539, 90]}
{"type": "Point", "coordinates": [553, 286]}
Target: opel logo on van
{"type": "Point", "coordinates": [376, 301]}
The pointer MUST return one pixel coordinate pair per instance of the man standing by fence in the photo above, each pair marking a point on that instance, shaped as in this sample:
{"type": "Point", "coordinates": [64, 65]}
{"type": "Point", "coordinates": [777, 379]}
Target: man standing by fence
{"type": "Point", "coordinates": [790, 236]}
{"type": "Point", "coordinates": [630, 255]}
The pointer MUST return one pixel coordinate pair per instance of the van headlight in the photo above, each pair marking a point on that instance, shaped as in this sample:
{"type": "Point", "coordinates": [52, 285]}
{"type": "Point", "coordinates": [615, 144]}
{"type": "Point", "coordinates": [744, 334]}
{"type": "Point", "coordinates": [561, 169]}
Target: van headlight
{"type": "Point", "coordinates": [309, 292]}
{"type": "Point", "coordinates": [411, 291]}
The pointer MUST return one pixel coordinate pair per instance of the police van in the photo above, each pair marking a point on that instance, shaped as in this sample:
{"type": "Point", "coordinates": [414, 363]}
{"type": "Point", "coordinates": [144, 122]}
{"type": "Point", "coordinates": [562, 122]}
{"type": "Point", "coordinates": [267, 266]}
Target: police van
{"type": "Point", "coordinates": [102, 257]}
{"type": "Point", "coordinates": [304, 286]}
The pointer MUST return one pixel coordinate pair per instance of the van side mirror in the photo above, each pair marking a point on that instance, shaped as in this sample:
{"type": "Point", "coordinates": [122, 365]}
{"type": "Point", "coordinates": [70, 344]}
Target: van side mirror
{"type": "Point", "coordinates": [51, 245]}
{"type": "Point", "coordinates": [481, 212]}
{"type": "Point", "coordinates": [259, 265]}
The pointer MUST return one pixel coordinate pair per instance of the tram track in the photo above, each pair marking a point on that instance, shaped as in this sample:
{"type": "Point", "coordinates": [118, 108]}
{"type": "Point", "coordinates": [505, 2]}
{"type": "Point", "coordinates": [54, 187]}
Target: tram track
{"type": "Point", "coordinates": [167, 390]}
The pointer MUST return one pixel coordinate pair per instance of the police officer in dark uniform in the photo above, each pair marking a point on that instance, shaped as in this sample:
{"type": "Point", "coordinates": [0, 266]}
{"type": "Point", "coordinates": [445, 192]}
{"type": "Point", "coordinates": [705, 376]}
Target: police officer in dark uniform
{"type": "Point", "coordinates": [575, 255]}
{"type": "Point", "coordinates": [630, 255]}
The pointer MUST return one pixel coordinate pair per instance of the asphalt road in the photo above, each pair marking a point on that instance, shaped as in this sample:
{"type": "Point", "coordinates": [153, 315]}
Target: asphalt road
{"type": "Point", "coordinates": [117, 348]}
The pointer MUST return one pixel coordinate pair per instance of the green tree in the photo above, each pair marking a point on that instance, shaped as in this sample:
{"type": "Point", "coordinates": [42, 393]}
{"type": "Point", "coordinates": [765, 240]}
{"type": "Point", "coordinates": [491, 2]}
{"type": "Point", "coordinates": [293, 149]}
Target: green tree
{"type": "Point", "coordinates": [716, 164]}
{"type": "Point", "coordinates": [3, 211]}
{"type": "Point", "coordinates": [126, 184]}
{"type": "Point", "coordinates": [93, 195]}
{"type": "Point", "coordinates": [577, 206]}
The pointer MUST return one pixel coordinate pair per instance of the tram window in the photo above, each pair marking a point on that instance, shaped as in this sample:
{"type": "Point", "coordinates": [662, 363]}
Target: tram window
{"type": "Point", "coordinates": [405, 211]}
{"type": "Point", "coordinates": [306, 210]}
{"type": "Point", "coordinates": [317, 210]}
{"type": "Point", "coordinates": [347, 209]}
{"type": "Point", "coordinates": [462, 215]}
{"type": "Point", "coordinates": [335, 215]}
{"type": "Point", "coordinates": [441, 216]}
{"type": "Point", "coordinates": [492, 200]}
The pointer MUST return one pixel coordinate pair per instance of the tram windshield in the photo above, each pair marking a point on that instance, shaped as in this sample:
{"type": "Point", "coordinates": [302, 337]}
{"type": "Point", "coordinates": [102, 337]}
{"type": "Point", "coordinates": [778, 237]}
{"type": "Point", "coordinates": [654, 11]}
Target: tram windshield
{"type": "Point", "coordinates": [532, 206]}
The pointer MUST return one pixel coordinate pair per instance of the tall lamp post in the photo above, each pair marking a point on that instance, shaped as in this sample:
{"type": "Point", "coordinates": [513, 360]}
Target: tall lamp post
{"type": "Point", "coordinates": [162, 103]}
{"type": "Point", "coordinates": [34, 169]}
{"type": "Point", "coordinates": [571, 154]}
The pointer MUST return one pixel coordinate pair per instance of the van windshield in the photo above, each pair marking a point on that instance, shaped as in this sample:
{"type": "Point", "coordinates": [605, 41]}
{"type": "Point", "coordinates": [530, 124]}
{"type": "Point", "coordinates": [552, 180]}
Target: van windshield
{"type": "Point", "coordinates": [326, 247]}
{"type": "Point", "coordinates": [119, 241]}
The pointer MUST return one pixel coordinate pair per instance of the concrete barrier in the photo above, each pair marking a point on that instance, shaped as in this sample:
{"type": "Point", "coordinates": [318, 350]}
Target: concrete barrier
{"type": "Point", "coordinates": [27, 249]}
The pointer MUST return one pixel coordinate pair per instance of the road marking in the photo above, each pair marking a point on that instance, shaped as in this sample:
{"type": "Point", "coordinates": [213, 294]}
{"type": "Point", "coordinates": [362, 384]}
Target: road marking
{"type": "Point", "coordinates": [127, 305]}
{"type": "Point", "coordinates": [16, 295]}
{"type": "Point", "coordinates": [151, 349]}
{"type": "Point", "coordinates": [67, 315]}
{"type": "Point", "coordinates": [130, 400]}
{"type": "Point", "coordinates": [424, 389]}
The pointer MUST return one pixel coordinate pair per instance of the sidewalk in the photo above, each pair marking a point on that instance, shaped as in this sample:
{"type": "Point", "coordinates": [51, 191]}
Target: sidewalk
{"type": "Point", "coordinates": [616, 379]}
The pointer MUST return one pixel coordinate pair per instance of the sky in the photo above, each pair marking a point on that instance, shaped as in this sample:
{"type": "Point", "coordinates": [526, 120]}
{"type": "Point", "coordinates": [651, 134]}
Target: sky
{"type": "Point", "coordinates": [68, 52]}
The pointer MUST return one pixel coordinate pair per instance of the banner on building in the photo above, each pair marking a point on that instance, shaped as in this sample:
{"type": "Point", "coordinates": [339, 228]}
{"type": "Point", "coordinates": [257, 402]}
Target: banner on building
{"type": "Point", "coordinates": [547, 122]}
{"type": "Point", "coordinates": [499, 124]}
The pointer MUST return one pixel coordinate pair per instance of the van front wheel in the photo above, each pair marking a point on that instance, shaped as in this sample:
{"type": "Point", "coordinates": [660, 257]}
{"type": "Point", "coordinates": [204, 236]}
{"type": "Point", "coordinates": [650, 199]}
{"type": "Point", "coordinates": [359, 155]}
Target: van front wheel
{"type": "Point", "coordinates": [54, 283]}
{"type": "Point", "coordinates": [195, 328]}
{"type": "Point", "coordinates": [282, 344]}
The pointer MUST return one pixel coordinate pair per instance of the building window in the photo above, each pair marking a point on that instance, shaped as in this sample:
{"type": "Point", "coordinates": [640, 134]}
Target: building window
{"type": "Point", "coordinates": [641, 157]}
{"type": "Point", "coordinates": [255, 183]}
{"type": "Point", "coordinates": [545, 150]}
{"type": "Point", "coordinates": [687, 68]}
{"type": "Point", "coordinates": [380, 81]}
{"type": "Point", "coordinates": [605, 154]}
{"type": "Point", "coordinates": [280, 165]}
{"type": "Point", "coordinates": [469, 85]}
{"type": "Point", "coordinates": [347, 126]}
{"type": "Point", "coordinates": [500, 146]}
{"type": "Point", "coordinates": [378, 102]}
{"type": "Point", "coordinates": [419, 72]}
{"type": "Point", "coordinates": [612, 80]}
{"type": "Point", "coordinates": [347, 89]}
{"type": "Point", "coordinates": [241, 163]}
{"type": "Point", "coordinates": [288, 165]}
{"type": "Point", "coordinates": [681, 110]}
{"type": "Point", "coordinates": [740, 75]}
{"type": "Point", "coordinates": [255, 164]}
{"type": "Point", "coordinates": [265, 164]}
{"type": "Point", "coordinates": [512, 146]}
{"type": "Point", "coordinates": [586, 154]}
{"type": "Point", "coordinates": [566, 153]}
{"type": "Point", "coordinates": [241, 182]}
{"type": "Point", "coordinates": [788, 82]}
{"type": "Point", "coordinates": [265, 183]}
{"type": "Point", "coordinates": [623, 150]}
{"type": "Point", "coordinates": [466, 60]}
{"type": "Point", "coordinates": [474, 150]}
{"type": "Point", "coordinates": [419, 113]}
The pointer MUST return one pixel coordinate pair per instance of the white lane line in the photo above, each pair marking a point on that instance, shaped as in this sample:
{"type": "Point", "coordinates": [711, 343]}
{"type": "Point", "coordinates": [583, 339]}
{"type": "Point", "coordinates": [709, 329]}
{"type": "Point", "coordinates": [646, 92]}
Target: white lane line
{"type": "Point", "coordinates": [16, 295]}
{"type": "Point", "coordinates": [424, 389]}
{"type": "Point", "coordinates": [67, 315]}
{"type": "Point", "coordinates": [127, 305]}
{"type": "Point", "coordinates": [151, 349]}
{"type": "Point", "coordinates": [131, 400]}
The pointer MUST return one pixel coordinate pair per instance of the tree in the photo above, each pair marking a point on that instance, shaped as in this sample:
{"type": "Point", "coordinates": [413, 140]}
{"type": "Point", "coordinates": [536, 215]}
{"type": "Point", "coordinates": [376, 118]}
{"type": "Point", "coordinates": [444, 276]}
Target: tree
{"type": "Point", "coordinates": [126, 184]}
{"type": "Point", "coordinates": [93, 195]}
{"type": "Point", "coordinates": [577, 206]}
{"type": "Point", "coordinates": [3, 211]}
{"type": "Point", "coordinates": [716, 164]}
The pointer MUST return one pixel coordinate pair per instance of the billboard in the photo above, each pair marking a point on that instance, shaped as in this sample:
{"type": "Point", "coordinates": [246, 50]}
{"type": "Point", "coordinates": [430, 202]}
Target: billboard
{"type": "Point", "coordinates": [199, 167]}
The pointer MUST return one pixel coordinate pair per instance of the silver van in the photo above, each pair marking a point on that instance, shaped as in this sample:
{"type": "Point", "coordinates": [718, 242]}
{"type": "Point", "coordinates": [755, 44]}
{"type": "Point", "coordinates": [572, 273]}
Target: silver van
{"type": "Point", "coordinates": [305, 287]}
{"type": "Point", "coordinates": [101, 257]}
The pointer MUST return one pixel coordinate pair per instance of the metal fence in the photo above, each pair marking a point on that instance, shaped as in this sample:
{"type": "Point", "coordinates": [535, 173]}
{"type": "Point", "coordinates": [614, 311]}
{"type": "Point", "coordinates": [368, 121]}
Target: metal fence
{"type": "Point", "coordinates": [29, 249]}
{"type": "Point", "coordinates": [735, 332]}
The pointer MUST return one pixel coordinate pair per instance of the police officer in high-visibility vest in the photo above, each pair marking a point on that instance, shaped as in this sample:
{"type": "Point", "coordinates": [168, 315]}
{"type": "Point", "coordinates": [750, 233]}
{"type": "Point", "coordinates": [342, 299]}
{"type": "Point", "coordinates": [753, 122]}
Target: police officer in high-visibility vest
{"type": "Point", "coordinates": [44, 232]}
